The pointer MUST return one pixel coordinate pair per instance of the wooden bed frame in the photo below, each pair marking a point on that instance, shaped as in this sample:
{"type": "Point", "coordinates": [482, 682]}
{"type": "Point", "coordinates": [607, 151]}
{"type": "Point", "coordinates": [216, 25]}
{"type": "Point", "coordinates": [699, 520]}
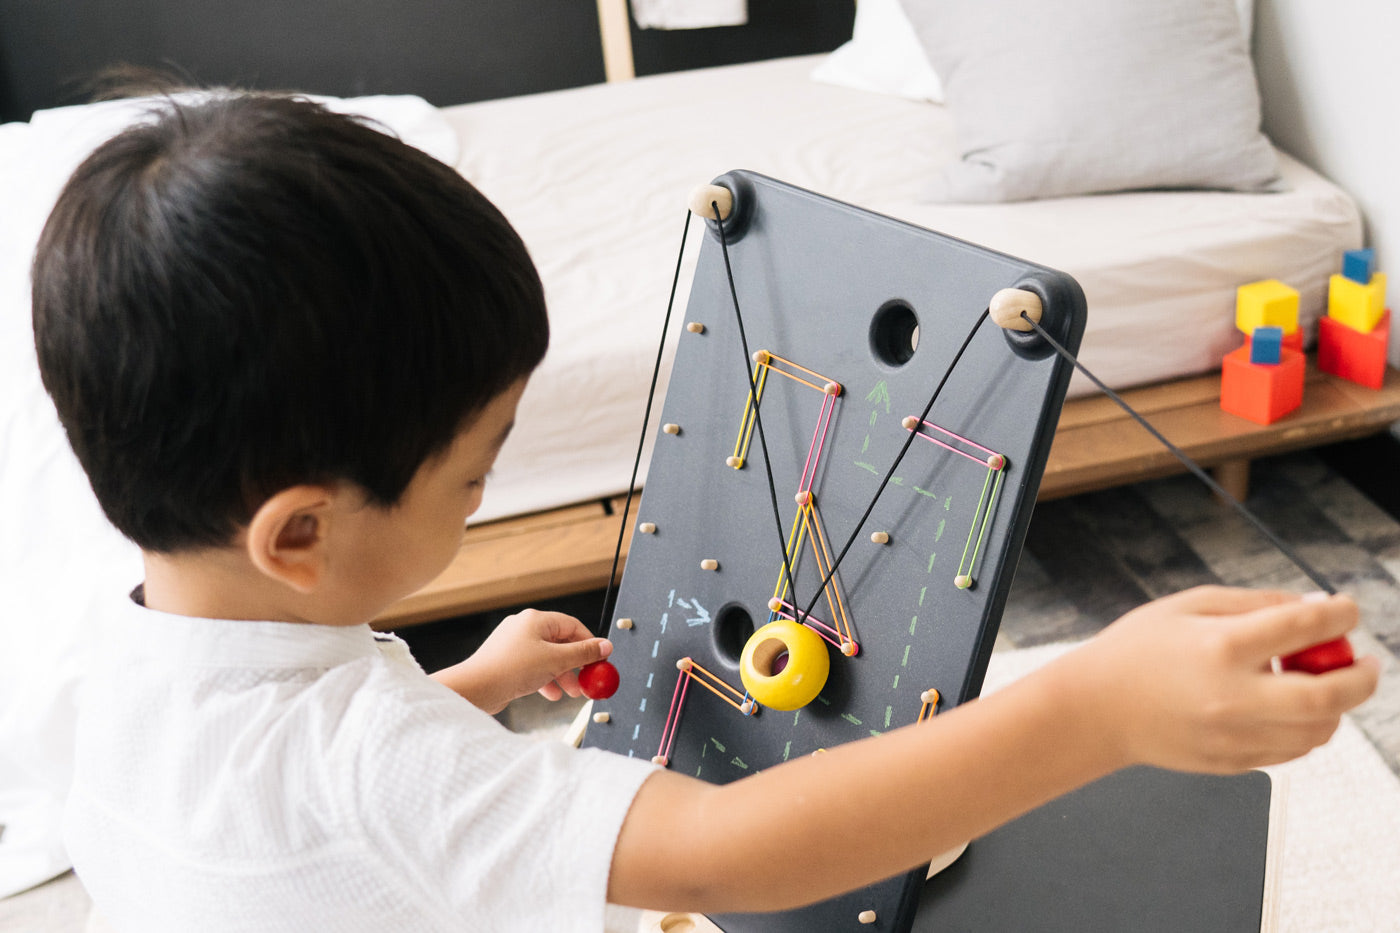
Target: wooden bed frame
{"type": "Point", "coordinates": [569, 550]}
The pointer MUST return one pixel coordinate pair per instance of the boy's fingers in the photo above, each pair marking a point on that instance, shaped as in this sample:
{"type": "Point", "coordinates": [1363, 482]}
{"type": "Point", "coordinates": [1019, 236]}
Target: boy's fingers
{"type": "Point", "coordinates": [565, 628]}
{"type": "Point", "coordinates": [1303, 697]}
{"type": "Point", "coordinates": [575, 654]}
{"type": "Point", "coordinates": [568, 682]}
{"type": "Point", "coordinates": [1226, 600]}
{"type": "Point", "coordinates": [1292, 626]}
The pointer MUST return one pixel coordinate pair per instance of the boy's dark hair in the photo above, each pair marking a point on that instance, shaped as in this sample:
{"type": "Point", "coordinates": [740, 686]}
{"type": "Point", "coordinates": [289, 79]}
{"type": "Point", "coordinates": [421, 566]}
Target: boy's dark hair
{"type": "Point", "coordinates": [250, 292]}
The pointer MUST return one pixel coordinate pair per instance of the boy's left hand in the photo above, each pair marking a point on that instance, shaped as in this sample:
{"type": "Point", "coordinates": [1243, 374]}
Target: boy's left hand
{"type": "Point", "coordinates": [530, 651]}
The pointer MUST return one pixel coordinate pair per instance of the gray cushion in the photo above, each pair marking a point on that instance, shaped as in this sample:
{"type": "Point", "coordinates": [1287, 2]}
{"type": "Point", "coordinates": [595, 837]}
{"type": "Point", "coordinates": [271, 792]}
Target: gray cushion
{"type": "Point", "coordinates": [1053, 98]}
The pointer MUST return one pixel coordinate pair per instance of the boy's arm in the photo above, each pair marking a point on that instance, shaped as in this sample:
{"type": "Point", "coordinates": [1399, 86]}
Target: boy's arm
{"type": "Point", "coordinates": [528, 652]}
{"type": "Point", "coordinates": [1183, 683]}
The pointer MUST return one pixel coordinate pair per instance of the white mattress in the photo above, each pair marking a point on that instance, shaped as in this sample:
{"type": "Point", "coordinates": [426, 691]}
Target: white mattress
{"type": "Point", "coordinates": [596, 179]}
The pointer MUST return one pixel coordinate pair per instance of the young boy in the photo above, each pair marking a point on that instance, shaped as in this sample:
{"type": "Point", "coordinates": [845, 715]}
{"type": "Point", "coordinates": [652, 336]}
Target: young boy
{"type": "Point", "coordinates": [286, 349]}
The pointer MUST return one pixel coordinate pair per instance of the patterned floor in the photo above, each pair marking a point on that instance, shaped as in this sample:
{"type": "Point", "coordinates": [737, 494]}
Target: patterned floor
{"type": "Point", "coordinates": [1090, 558]}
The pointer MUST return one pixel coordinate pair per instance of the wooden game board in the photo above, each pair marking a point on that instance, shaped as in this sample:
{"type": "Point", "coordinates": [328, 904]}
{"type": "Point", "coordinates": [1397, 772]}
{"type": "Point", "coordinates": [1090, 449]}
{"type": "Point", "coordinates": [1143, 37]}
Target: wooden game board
{"type": "Point", "coordinates": [864, 405]}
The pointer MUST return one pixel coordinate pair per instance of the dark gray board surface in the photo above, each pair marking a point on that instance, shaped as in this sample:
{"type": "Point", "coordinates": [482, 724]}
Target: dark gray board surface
{"type": "Point", "coordinates": [1144, 850]}
{"type": "Point", "coordinates": [812, 275]}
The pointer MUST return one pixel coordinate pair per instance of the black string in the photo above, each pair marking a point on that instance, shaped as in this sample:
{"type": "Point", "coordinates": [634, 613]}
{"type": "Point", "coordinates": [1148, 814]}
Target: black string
{"type": "Point", "coordinates": [641, 441]}
{"type": "Point", "coordinates": [894, 466]}
{"type": "Point", "coordinates": [758, 420]}
{"type": "Point", "coordinates": [1190, 464]}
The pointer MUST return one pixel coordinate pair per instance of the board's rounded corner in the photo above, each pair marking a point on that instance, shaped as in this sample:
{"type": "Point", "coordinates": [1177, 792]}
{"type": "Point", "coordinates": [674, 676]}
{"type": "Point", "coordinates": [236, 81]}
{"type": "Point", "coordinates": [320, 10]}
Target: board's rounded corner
{"type": "Point", "coordinates": [1063, 316]}
{"type": "Point", "coordinates": [741, 215]}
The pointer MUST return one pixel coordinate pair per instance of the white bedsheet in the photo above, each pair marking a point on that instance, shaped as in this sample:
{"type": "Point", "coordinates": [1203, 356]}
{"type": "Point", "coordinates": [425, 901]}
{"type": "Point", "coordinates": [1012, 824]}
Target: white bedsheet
{"type": "Point", "coordinates": [596, 181]}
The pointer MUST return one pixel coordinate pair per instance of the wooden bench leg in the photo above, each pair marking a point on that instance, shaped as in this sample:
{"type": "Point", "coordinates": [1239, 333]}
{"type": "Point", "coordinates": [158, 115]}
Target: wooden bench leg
{"type": "Point", "coordinates": [1233, 476]}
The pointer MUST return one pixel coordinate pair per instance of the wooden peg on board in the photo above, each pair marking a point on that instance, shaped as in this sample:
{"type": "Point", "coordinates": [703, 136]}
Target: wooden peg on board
{"type": "Point", "coordinates": [1006, 307]}
{"type": "Point", "coordinates": [704, 199]}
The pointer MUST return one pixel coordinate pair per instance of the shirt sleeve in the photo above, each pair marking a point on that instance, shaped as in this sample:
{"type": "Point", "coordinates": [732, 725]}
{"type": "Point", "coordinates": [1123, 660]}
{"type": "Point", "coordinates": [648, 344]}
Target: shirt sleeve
{"type": "Point", "coordinates": [504, 831]}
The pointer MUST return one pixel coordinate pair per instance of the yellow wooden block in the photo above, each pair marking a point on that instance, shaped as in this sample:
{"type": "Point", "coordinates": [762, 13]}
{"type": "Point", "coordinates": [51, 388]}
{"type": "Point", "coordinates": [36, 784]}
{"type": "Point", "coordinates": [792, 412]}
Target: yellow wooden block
{"type": "Point", "coordinates": [1358, 306]}
{"type": "Point", "coordinates": [1269, 303]}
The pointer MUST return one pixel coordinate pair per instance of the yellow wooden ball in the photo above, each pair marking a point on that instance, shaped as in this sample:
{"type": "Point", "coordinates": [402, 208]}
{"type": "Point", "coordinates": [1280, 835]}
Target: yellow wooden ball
{"type": "Point", "coordinates": [784, 665]}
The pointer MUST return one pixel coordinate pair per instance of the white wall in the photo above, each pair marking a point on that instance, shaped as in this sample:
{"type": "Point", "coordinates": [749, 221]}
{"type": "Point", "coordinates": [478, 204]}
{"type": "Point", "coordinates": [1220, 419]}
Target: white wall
{"type": "Point", "coordinates": [1330, 83]}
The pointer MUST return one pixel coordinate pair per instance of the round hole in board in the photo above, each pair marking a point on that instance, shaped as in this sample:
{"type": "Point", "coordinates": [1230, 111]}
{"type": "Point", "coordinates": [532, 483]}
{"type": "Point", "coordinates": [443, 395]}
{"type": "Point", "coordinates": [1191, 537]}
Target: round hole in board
{"type": "Point", "coordinates": [733, 629]}
{"type": "Point", "coordinates": [894, 333]}
{"type": "Point", "coordinates": [770, 657]}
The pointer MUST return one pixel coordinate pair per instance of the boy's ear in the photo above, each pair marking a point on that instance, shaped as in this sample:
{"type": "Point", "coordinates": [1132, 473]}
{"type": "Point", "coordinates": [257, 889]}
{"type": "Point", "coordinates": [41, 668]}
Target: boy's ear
{"type": "Point", "coordinates": [286, 538]}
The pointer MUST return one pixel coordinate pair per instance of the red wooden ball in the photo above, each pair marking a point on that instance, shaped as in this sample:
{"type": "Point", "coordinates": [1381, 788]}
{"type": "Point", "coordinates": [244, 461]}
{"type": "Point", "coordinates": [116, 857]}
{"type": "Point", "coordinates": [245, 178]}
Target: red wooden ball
{"type": "Point", "coordinates": [598, 680]}
{"type": "Point", "coordinates": [1320, 658]}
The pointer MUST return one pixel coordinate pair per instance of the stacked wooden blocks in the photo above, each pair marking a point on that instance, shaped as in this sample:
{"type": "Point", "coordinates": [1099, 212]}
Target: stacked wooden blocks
{"type": "Point", "coordinates": [1353, 337]}
{"type": "Point", "coordinates": [1263, 380]}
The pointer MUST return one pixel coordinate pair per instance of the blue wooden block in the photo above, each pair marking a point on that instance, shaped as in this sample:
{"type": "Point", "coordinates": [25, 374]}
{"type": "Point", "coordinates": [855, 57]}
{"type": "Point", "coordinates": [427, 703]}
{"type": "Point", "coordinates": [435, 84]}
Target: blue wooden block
{"type": "Point", "coordinates": [1359, 265]}
{"type": "Point", "coordinates": [1266, 345]}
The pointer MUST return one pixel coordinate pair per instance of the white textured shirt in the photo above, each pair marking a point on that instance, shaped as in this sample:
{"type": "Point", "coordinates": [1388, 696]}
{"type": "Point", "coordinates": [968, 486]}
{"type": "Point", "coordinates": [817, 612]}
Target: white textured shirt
{"type": "Point", "coordinates": [272, 776]}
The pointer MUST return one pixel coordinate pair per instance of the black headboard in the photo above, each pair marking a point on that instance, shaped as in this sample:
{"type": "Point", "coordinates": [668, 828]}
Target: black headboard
{"type": "Point", "coordinates": [448, 51]}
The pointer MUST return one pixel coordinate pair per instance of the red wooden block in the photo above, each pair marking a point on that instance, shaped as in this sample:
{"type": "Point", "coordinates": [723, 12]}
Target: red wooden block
{"type": "Point", "coordinates": [1349, 353]}
{"type": "Point", "coordinates": [1261, 393]}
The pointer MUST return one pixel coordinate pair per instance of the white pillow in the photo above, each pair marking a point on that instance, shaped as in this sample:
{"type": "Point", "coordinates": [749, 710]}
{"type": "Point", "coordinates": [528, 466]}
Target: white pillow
{"type": "Point", "coordinates": [1089, 96]}
{"type": "Point", "coordinates": [884, 56]}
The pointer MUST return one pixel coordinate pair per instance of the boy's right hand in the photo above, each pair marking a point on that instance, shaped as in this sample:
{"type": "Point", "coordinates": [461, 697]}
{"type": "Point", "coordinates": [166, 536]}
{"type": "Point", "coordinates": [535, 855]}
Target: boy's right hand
{"type": "Point", "coordinates": [1186, 682]}
{"type": "Point", "coordinates": [531, 651]}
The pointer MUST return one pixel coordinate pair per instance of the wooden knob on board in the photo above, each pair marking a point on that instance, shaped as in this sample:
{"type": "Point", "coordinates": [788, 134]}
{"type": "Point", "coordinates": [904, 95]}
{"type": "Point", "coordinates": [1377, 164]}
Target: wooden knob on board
{"type": "Point", "coordinates": [1006, 307]}
{"type": "Point", "coordinates": [704, 199]}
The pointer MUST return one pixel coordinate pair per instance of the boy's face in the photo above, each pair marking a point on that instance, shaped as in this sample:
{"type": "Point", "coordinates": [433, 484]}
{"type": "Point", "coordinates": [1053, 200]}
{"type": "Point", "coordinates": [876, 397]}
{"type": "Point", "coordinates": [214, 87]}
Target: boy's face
{"type": "Point", "coordinates": [389, 553]}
